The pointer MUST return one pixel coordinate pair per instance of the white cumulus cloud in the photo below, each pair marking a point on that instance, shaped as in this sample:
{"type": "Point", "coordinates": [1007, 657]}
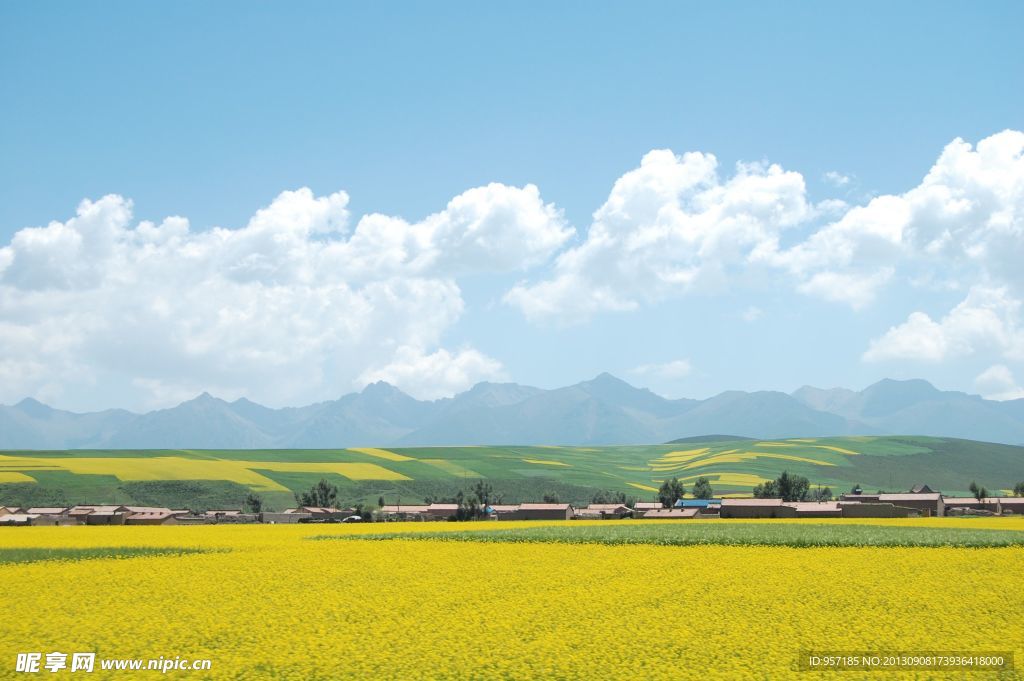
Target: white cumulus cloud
{"type": "Point", "coordinates": [292, 307]}
{"type": "Point", "coordinates": [676, 369]}
{"type": "Point", "coordinates": [666, 378]}
{"type": "Point", "coordinates": [438, 374]}
{"type": "Point", "coordinates": [967, 215]}
{"type": "Point", "coordinates": [667, 227]}
{"type": "Point", "coordinates": [998, 383]}
{"type": "Point", "coordinates": [836, 178]}
{"type": "Point", "coordinates": [986, 320]}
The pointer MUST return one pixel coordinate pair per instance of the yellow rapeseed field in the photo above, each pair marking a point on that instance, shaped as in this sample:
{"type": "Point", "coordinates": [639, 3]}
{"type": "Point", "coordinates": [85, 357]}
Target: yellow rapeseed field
{"type": "Point", "coordinates": [381, 453]}
{"type": "Point", "coordinates": [182, 468]}
{"type": "Point", "coordinates": [270, 604]}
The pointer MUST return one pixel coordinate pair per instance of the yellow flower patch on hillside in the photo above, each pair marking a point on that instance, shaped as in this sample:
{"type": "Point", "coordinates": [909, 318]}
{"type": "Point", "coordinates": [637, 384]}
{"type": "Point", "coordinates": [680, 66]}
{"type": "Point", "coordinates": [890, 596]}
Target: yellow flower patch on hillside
{"type": "Point", "coordinates": [740, 457]}
{"type": "Point", "coordinates": [181, 468]}
{"type": "Point", "coordinates": [451, 468]}
{"type": "Point", "coordinates": [838, 449]}
{"type": "Point", "coordinates": [736, 479]}
{"type": "Point", "coordinates": [15, 476]}
{"type": "Point", "coordinates": [381, 453]}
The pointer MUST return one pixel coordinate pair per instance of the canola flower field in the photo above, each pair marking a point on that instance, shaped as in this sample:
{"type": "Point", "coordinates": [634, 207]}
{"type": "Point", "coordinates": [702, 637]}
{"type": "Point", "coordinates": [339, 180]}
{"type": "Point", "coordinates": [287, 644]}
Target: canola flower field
{"type": "Point", "coordinates": [269, 602]}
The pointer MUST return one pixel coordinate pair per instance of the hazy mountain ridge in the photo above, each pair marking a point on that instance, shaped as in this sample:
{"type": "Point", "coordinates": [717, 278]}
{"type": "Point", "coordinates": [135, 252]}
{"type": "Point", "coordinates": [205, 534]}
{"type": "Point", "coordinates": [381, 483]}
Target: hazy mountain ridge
{"type": "Point", "coordinates": [604, 410]}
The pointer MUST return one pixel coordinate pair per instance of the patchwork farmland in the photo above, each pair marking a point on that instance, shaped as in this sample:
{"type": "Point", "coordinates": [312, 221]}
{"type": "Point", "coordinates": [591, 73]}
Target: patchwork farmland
{"type": "Point", "coordinates": [733, 466]}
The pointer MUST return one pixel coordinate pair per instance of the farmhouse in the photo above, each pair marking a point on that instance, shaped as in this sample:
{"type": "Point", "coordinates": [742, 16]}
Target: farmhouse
{"type": "Point", "coordinates": [34, 519]}
{"type": "Point", "coordinates": [80, 513]}
{"type": "Point", "coordinates": [1012, 504]}
{"type": "Point", "coordinates": [146, 509]}
{"type": "Point", "coordinates": [17, 519]}
{"type": "Point", "coordinates": [235, 519]}
{"type": "Point", "coordinates": [997, 505]}
{"type": "Point", "coordinates": [48, 510]}
{"type": "Point", "coordinates": [656, 513]}
{"type": "Point", "coordinates": [151, 518]}
{"type": "Point", "coordinates": [604, 511]}
{"type": "Point", "coordinates": [440, 511]}
{"type": "Point", "coordinates": [404, 511]}
{"type": "Point", "coordinates": [322, 512]}
{"type": "Point", "coordinates": [921, 498]}
{"type": "Point", "coordinates": [756, 508]}
{"type": "Point", "coordinates": [106, 518]}
{"type": "Point", "coordinates": [872, 509]}
{"type": "Point", "coordinates": [542, 512]}
{"type": "Point", "coordinates": [220, 512]}
{"type": "Point", "coordinates": [647, 505]}
{"type": "Point", "coordinates": [608, 508]}
{"type": "Point", "coordinates": [697, 503]}
{"type": "Point", "coordinates": [817, 509]}
{"type": "Point", "coordinates": [927, 504]}
{"type": "Point", "coordinates": [499, 511]}
{"type": "Point", "coordinates": [282, 518]}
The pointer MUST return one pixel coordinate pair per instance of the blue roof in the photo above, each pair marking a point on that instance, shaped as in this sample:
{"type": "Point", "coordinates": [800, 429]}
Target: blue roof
{"type": "Point", "coordinates": [696, 503]}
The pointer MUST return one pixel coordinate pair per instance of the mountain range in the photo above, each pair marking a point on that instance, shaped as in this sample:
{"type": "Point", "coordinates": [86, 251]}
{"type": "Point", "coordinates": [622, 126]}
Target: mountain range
{"type": "Point", "coordinates": [605, 410]}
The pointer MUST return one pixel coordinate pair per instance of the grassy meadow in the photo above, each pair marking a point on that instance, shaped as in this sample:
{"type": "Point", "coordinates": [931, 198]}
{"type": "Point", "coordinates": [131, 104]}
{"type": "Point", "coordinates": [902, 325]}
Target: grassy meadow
{"type": "Point", "coordinates": [271, 602]}
{"type": "Point", "coordinates": [206, 479]}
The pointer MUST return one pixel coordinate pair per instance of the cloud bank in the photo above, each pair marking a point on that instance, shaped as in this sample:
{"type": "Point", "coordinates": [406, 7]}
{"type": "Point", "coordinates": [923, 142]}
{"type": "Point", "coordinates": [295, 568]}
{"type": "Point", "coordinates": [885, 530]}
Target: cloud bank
{"type": "Point", "coordinates": [294, 306]}
{"type": "Point", "coordinates": [300, 304]}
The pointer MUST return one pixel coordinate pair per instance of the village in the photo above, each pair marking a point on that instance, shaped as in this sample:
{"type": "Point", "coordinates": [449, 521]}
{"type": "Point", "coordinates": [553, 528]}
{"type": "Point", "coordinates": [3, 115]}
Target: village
{"type": "Point", "coordinates": [921, 501]}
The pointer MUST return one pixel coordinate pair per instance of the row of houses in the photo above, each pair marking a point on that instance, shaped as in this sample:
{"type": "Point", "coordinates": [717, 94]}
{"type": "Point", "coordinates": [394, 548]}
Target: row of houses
{"type": "Point", "coordinates": [920, 501]}
{"type": "Point", "coordinates": [151, 515]}
{"type": "Point", "coordinates": [526, 511]}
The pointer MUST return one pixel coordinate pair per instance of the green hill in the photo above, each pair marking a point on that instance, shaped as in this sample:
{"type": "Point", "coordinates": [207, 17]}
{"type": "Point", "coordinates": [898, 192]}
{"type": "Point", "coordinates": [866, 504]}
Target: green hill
{"type": "Point", "coordinates": [209, 478]}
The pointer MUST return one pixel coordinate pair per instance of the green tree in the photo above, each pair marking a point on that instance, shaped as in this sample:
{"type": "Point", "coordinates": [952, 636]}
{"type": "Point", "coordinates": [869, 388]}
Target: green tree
{"type": "Point", "coordinates": [484, 493]}
{"type": "Point", "coordinates": [822, 494]}
{"type": "Point", "coordinates": [364, 511]}
{"type": "Point", "coordinates": [1018, 489]}
{"type": "Point", "coordinates": [670, 492]}
{"type": "Point", "coordinates": [469, 507]}
{"type": "Point", "coordinates": [253, 503]}
{"type": "Point", "coordinates": [605, 496]}
{"type": "Point", "coordinates": [702, 489]}
{"type": "Point", "coordinates": [793, 487]}
{"type": "Point", "coordinates": [978, 491]}
{"type": "Point", "coordinates": [787, 487]}
{"type": "Point", "coordinates": [551, 498]}
{"type": "Point", "coordinates": [322, 494]}
{"type": "Point", "coordinates": [380, 501]}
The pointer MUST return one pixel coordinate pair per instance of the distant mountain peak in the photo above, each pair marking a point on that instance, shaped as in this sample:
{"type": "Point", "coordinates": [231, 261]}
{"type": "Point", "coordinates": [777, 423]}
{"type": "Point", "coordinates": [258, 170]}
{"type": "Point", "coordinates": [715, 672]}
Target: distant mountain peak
{"type": "Point", "coordinates": [383, 389]}
{"type": "Point", "coordinates": [605, 377]}
{"type": "Point", "coordinates": [907, 383]}
{"type": "Point", "coordinates": [606, 382]}
{"type": "Point", "coordinates": [33, 407]}
{"type": "Point", "coordinates": [203, 399]}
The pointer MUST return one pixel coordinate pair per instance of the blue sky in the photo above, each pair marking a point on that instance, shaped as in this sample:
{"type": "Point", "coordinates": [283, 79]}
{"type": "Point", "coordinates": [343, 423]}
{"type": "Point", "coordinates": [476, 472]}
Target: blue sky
{"type": "Point", "coordinates": [210, 111]}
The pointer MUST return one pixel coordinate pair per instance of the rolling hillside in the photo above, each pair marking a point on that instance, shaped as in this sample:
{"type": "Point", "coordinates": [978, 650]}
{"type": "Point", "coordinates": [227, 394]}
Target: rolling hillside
{"type": "Point", "coordinates": [209, 478]}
